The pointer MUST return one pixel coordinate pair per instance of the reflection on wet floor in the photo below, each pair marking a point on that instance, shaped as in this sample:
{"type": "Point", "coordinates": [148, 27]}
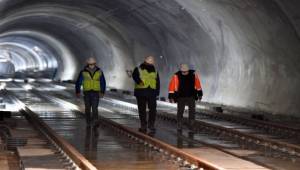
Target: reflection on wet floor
{"type": "Point", "coordinates": [181, 139]}
{"type": "Point", "coordinates": [166, 131]}
{"type": "Point", "coordinates": [104, 147]}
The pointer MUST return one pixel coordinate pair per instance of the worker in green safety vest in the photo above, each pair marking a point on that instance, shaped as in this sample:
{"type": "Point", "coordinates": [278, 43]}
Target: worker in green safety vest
{"type": "Point", "coordinates": [93, 81]}
{"type": "Point", "coordinates": [147, 86]}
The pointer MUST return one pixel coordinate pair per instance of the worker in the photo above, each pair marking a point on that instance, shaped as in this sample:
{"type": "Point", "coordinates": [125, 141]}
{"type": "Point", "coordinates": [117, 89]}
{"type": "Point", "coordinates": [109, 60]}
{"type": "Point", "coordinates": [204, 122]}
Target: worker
{"type": "Point", "coordinates": [147, 86]}
{"type": "Point", "coordinates": [184, 89]}
{"type": "Point", "coordinates": [93, 81]}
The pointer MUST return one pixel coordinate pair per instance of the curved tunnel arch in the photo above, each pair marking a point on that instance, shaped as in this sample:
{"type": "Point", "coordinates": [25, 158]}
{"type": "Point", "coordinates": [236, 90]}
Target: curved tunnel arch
{"type": "Point", "coordinates": [246, 52]}
{"type": "Point", "coordinates": [51, 49]}
{"type": "Point", "coordinates": [35, 61]}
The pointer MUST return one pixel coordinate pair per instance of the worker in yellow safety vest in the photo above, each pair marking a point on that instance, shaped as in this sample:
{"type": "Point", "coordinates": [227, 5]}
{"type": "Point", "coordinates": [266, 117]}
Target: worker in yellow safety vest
{"type": "Point", "coordinates": [93, 81]}
{"type": "Point", "coordinates": [147, 86]}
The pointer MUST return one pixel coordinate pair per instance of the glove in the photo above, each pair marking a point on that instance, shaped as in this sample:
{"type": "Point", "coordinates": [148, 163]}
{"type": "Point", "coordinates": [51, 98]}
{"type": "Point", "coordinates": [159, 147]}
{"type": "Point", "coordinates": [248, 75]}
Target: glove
{"type": "Point", "coordinates": [200, 98]}
{"type": "Point", "coordinates": [171, 100]}
{"type": "Point", "coordinates": [141, 83]}
{"type": "Point", "coordinates": [77, 95]}
{"type": "Point", "coordinates": [171, 97]}
{"type": "Point", "coordinates": [200, 94]}
{"type": "Point", "coordinates": [101, 95]}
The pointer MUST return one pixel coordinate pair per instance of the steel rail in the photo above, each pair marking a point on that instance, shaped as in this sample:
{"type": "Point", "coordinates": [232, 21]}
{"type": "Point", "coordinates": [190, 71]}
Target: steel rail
{"type": "Point", "coordinates": [195, 162]}
{"type": "Point", "coordinates": [163, 147]}
{"type": "Point", "coordinates": [287, 148]}
{"type": "Point", "coordinates": [283, 147]}
{"type": "Point", "coordinates": [272, 128]}
{"type": "Point", "coordinates": [60, 143]}
{"type": "Point", "coordinates": [67, 148]}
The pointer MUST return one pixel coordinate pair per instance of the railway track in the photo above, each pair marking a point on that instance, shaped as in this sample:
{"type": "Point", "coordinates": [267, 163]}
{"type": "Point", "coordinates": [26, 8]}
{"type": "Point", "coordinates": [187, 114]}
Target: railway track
{"type": "Point", "coordinates": [132, 115]}
{"type": "Point", "coordinates": [273, 137]}
{"type": "Point", "coordinates": [268, 140]}
{"type": "Point", "coordinates": [272, 129]}
{"type": "Point", "coordinates": [267, 127]}
{"type": "Point", "coordinates": [231, 138]}
{"type": "Point", "coordinates": [49, 149]}
{"type": "Point", "coordinates": [172, 156]}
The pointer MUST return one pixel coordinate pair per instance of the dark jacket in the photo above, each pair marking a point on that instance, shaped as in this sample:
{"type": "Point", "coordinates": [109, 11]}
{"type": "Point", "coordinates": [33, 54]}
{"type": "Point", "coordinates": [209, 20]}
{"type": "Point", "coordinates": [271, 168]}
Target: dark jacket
{"type": "Point", "coordinates": [80, 79]}
{"type": "Point", "coordinates": [136, 77]}
{"type": "Point", "coordinates": [185, 86]}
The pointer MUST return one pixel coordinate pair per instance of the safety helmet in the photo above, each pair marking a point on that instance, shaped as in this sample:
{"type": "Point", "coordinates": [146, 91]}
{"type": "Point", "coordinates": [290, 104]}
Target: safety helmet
{"type": "Point", "coordinates": [184, 67]}
{"type": "Point", "coordinates": [91, 60]}
{"type": "Point", "coordinates": [149, 59]}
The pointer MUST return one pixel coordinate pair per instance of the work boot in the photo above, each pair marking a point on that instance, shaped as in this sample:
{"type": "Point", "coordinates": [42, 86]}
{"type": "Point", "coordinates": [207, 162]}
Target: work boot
{"type": "Point", "coordinates": [143, 130]}
{"type": "Point", "coordinates": [88, 125]}
{"type": "Point", "coordinates": [179, 126]}
{"type": "Point", "coordinates": [96, 124]}
{"type": "Point", "coordinates": [151, 128]}
{"type": "Point", "coordinates": [192, 126]}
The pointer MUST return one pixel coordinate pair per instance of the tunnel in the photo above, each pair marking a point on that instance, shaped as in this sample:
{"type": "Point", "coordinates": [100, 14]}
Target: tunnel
{"type": "Point", "coordinates": [246, 51]}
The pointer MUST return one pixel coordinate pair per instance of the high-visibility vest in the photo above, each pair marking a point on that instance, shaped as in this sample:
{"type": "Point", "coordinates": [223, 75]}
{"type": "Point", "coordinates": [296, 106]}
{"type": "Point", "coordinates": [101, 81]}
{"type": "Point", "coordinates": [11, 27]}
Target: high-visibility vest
{"type": "Point", "coordinates": [149, 79]}
{"type": "Point", "coordinates": [91, 83]}
{"type": "Point", "coordinates": [174, 83]}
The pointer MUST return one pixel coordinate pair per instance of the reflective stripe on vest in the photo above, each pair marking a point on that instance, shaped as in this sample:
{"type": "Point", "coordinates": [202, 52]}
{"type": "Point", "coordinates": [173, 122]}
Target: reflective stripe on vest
{"type": "Point", "coordinates": [91, 83]}
{"type": "Point", "coordinates": [149, 79]}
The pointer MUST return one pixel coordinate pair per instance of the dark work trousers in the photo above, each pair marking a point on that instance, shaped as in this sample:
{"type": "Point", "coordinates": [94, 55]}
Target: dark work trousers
{"type": "Point", "coordinates": [91, 101]}
{"type": "Point", "coordinates": [181, 103]}
{"type": "Point", "coordinates": [142, 104]}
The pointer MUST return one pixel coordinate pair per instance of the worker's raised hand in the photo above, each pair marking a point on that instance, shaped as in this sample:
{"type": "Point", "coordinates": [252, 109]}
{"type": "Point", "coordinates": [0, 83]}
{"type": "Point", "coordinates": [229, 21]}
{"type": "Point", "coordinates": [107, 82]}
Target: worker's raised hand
{"type": "Point", "coordinates": [141, 83]}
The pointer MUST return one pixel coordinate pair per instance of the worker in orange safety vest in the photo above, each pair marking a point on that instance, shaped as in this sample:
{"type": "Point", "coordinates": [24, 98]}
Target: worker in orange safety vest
{"type": "Point", "coordinates": [184, 89]}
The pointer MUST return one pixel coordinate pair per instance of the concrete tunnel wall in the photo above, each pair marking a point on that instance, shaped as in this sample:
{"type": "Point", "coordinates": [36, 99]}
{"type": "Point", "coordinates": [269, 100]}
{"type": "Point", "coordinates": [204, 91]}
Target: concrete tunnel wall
{"type": "Point", "coordinates": [247, 51]}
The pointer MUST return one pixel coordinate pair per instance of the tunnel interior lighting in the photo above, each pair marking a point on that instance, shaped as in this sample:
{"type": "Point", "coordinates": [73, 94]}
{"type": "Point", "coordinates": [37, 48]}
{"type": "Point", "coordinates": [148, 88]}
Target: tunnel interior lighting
{"type": "Point", "coordinates": [2, 86]}
{"type": "Point", "coordinates": [118, 102]}
{"type": "Point", "coordinates": [45, 80]}
{"type": "Point", "coordinates": [30, 80]}
{"type": "Point", "coordinates": [6, 80]}
{"type": "Point", "coordinates": [3, 60]}
{"type": "Point", "coordinates": [67, 105]}
{"type": "Point", "coordinates": [107, 110]}
{"type": "Point", "coordinates": [28, 87]}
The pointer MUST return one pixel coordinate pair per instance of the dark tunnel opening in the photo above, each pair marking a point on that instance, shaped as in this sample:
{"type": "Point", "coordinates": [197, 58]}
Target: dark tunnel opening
{"type": "Point", "coordinates": [247, 52]}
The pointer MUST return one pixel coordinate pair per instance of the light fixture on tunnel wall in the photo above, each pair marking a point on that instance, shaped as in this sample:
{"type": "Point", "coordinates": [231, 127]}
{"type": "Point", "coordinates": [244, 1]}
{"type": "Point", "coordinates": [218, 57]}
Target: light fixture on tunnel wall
{"type": "Point", "coordinates": [3, 60]}
{"type": "Point", "coordinates": [4, 55]}
{"type": "Point", "coordinates": [27, 87]}
{"type": "Point", "coordinates": [2, 86]}
{"type": "Point", "coordinates": [7, 68]}
{"type": "Point", "coordinates": [36, 49]}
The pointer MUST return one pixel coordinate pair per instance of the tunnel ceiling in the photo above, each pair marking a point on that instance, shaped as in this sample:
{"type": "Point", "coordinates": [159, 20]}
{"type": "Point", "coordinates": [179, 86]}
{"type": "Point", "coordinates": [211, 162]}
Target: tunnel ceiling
{"type": "Point", "coordinates": [247, 52]}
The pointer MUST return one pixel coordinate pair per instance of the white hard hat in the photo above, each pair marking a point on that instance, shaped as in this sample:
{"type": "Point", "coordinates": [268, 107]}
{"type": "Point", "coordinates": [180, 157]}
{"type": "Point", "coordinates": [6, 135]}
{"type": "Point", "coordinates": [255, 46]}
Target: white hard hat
{"type": "Point", "coordinates": [184, 67]}
{"type": "Point", "coordinates": [149, 59]}
{"type": "Point", "coordinates": [91, 60]}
